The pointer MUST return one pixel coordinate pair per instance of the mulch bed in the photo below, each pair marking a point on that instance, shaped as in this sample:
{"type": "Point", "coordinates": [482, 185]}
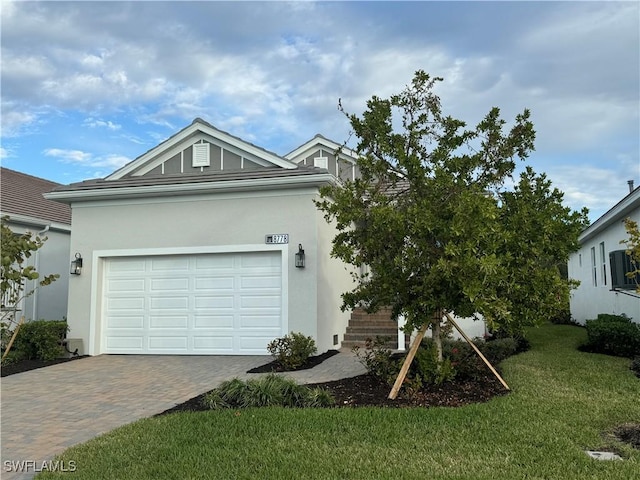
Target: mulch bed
{"type": "Point", "coordinates": [367, 391]}
{"type": "Point", "coordinates": [276, 366]}
{"type": "Point", "coordinates": [629, 433]}
{"type": "Point", "coordinates": [26, 365]}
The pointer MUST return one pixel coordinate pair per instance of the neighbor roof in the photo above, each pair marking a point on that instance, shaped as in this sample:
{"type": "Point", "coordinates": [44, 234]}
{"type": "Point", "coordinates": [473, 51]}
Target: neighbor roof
{"type": "Point", "coordinates": [21, 194]}
{"type": "Point", "coordinates": [619, 211]}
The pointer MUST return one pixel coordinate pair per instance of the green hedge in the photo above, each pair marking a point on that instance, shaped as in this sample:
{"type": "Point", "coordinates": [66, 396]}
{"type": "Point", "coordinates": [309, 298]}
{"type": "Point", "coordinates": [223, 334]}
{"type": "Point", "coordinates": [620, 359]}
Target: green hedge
{"type": "Point", "coordinates": [613, 335]}
{"type": "Point", "coordinates": [41, 340]}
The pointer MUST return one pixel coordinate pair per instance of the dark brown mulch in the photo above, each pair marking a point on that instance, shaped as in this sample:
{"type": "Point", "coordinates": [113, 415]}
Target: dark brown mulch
{"type": "Point", "coordinates": [276, 366]}
{"type": "Point", "coordinates": [366, 390]}
{"type": "Point", "coordinates": [26, 365]}
{"type": "Point", "coordinates": [629, 433]}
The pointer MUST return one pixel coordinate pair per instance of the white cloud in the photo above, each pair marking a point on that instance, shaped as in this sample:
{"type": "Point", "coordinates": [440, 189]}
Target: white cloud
{"type": "Point", "coordinates": [4, 153]}
{"type": "Point", "coordinates": [95, 122]}
{"type": "Point", "coordinates": [597, 188]}
{"type": "Point", "coordinates": [86, 159]}
{"type": "Point", "coordinates": [15, 122]}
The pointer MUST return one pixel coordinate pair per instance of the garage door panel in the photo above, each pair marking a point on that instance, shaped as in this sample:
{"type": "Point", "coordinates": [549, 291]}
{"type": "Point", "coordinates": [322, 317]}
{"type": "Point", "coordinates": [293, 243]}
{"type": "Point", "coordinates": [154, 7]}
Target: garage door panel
{"type": "Point", "coordinates": [217, 343]}
{"type": "Point", "coordinates": [169, 303]}
{"type": "Point", "coordinates": [260, 301]}
{"type": "Point", "coordinates": [170, 284]}
{"type": "Point", "coordinates": [213, 321]}
{"type": "Point", "coordinates": [214, 283]}
{"type": "Point", "coordinates": [199, 304]}
{"type": "Point", "coordinates": [133, 344]}
{"type": "Point", "coordinates": [172, 321]}
{"type": "Point", "coordinates": [125, 322]}
{"type": "Point", "coordinates": [127, 285]}
{"type": "Point", "coordinates": [215, 262]}
{"type": "Point", "coordinates": [260, 321]}
{"type": "Point", "coordinates": [126, 303]}
{"type": "Point", "coordinates": [127, 265]}
{"type": "Point", "coordinates": [169, 342]}
{"type": "Point", "coordinates": [255, 344]}
{"type": "Point", "coordinates": [169, 263]}
{"type": "Point", "coordinates": [214, 302]}
{"type": "Point", "coordinates": [259, 260]}
{"type": "Point", "coordinates": [260, 282]}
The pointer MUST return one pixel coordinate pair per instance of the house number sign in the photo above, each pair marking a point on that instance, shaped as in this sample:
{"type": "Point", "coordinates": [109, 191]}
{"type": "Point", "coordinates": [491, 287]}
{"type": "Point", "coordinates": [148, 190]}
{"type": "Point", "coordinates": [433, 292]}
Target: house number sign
{"type": "Point", "coordinates": [276, 238]}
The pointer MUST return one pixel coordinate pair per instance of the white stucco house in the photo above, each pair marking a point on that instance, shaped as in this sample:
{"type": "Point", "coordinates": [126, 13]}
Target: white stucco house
{"type": "Point", "coordinates": [194, 248]}
{"type": "Point", "coordinates": [600, 265]}
{"type": "Point", "coordinates": [22, 201]}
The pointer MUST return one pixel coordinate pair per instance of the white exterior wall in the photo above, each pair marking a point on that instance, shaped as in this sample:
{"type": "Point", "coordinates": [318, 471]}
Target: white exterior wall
{"type": "Point", "coordinates": [588, 300]}
{"type": "Point", "coordinates": [48, 302]}
{"type": "Point", "coordinates": [333, 280]}
{"type": "Point", "coordinates": [207, 223]}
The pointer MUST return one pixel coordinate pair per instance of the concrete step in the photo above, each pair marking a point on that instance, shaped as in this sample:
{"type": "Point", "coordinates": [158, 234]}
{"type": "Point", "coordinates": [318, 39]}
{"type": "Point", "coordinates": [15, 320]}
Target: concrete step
{"type": "Point", "coordinates": [372, 331]}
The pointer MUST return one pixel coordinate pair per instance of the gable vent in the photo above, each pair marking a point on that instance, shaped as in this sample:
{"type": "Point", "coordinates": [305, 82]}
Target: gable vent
{"type": "Point", "coordinates": [200, 155]}
{"type": "Point", "coordinates": [321, 162]}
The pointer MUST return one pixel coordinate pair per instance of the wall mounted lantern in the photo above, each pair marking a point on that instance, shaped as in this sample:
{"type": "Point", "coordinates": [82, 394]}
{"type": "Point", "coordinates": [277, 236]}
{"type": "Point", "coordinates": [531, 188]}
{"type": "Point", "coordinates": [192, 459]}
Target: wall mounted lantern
{"type": "Point", "coordinates": [76, 265]}
{"type": "Point", "coordinates": [300, 257]}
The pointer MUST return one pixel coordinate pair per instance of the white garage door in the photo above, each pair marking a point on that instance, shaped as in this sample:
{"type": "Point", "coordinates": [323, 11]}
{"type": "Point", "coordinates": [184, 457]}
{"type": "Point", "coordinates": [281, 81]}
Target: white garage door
{"type": "Point", "coordinates": [226, 303]}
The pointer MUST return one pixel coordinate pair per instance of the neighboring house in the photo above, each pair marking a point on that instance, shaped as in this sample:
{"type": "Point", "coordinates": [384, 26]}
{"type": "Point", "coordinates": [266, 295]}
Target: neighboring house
{"type": "Point", "coordinates": [193, 248]}
{"type": "Point", "coordinates": [601, 263]}
{"type": "Point", "coordinates": [21, 199]}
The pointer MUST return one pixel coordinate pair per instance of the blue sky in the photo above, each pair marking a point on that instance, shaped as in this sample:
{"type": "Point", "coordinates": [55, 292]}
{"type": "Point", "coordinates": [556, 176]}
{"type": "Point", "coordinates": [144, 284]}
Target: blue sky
{"type": "Point", "coordinates": [89, 86]}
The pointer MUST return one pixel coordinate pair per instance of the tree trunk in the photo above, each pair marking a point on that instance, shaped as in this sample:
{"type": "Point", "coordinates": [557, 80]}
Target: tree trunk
{"type": "Point", "coordinates": [437, 336]}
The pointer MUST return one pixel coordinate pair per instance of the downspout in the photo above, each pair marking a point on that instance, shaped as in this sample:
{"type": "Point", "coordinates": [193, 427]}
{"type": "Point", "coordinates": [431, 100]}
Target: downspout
{"type": "Point", "coordinates": [37, 267]}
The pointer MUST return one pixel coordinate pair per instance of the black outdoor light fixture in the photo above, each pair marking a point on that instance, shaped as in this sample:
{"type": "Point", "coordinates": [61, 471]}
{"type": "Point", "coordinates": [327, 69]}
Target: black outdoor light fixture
{"type": "Point", "coordinates": [76, 265]}
{"type": "Point", "coordinates": [300, 257]}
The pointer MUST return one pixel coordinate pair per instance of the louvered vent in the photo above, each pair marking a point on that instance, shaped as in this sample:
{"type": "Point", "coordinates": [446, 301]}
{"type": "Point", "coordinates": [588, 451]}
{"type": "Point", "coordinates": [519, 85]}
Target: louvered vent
{"type": "Point", "coordinates": [201, 155]}
{"type": "Point", "coordinates": [321, 162]}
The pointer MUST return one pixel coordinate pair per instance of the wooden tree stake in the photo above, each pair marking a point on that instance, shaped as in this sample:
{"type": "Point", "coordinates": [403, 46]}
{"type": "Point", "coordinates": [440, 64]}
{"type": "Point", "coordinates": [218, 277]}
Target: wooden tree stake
{"type": "Point", "coordinates": [407, 362]}
{"type": "Point", "coordinates": [13, 337]}
{"type": "Point", "coordinates": [450, 318]}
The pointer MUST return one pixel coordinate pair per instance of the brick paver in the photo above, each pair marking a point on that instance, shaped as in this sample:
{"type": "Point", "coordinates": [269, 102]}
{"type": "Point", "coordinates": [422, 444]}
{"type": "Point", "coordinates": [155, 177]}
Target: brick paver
{"type": "Point", "coordinates": [48, 410]}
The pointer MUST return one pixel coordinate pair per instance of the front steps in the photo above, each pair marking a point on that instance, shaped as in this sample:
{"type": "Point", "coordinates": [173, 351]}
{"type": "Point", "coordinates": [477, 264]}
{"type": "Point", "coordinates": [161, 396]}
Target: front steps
{"type": "Point", "coordinates": [363, 325]}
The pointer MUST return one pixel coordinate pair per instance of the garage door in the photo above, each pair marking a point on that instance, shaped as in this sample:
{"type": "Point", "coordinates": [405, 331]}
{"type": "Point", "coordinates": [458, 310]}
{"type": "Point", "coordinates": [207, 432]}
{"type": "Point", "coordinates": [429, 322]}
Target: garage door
{"type": "Point", "coordinates": [192, 304]}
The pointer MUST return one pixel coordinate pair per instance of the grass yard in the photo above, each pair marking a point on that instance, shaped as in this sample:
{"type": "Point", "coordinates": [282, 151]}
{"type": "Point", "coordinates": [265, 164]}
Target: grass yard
{"type": "Point", "coordinates": [562, 401]}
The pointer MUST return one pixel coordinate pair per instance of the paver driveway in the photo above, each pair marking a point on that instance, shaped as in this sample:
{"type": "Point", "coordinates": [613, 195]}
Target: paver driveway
{"type": "Point", "coordinates": [45, 411]}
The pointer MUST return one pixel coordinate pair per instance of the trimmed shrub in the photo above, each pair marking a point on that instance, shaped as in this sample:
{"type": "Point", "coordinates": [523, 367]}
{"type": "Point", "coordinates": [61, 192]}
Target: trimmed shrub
{"type": "Point", "coordinates": [498, 350]}
{"type": "Point", "coordinates": [459, 360]}
{"type": "Point", "coordinates": [292, 350]}
{"type": "Point", "coordinates": [613, 335]}
{"type": "Point", "coordinates": [378, 359]}
{"type": "Point", "coordinates": [41, 340]}
{"type": "Point", "coordinates": [268, 391]}
{"type": "Point", "coordinates": [425, 365]}
{"type": "Point", "coordinates": [635, 366]}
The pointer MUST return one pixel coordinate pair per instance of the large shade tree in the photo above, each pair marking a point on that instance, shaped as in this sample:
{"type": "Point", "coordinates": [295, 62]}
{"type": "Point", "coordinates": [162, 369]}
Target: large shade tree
{"type": "Point", "coordinates": [439, 221]}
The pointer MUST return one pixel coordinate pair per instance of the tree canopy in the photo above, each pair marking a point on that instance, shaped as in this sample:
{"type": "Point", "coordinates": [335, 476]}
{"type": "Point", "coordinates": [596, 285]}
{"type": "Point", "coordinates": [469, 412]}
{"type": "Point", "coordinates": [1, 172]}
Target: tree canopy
{"type": "Point", "coordinates": [438, 221]}
{"type": "Point", "coordinates": [633, 249]}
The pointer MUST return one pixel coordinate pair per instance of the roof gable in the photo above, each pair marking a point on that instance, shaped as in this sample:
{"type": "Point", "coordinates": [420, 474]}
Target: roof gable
{"type": "Point", "coordinates": [321, 152]}
{"type": "Point", "coordinates": [22, 195]}
{"type": "Point", "coordinates": [178, 154]}
{"type": "Point", "coordinates": [621, 210]}
{"type": "Point", "coordinates": [320, 142]}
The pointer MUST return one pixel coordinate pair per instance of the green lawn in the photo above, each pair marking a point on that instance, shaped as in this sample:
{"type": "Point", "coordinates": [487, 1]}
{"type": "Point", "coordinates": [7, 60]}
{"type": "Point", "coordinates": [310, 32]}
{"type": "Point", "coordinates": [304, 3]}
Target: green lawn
{"type": "Point", "coordinates": [563, 402]}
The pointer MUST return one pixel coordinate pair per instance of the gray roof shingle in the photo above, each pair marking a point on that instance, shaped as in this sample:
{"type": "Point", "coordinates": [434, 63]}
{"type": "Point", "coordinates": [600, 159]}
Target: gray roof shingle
{"type": "Point", "coordinates": [21, 194]}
